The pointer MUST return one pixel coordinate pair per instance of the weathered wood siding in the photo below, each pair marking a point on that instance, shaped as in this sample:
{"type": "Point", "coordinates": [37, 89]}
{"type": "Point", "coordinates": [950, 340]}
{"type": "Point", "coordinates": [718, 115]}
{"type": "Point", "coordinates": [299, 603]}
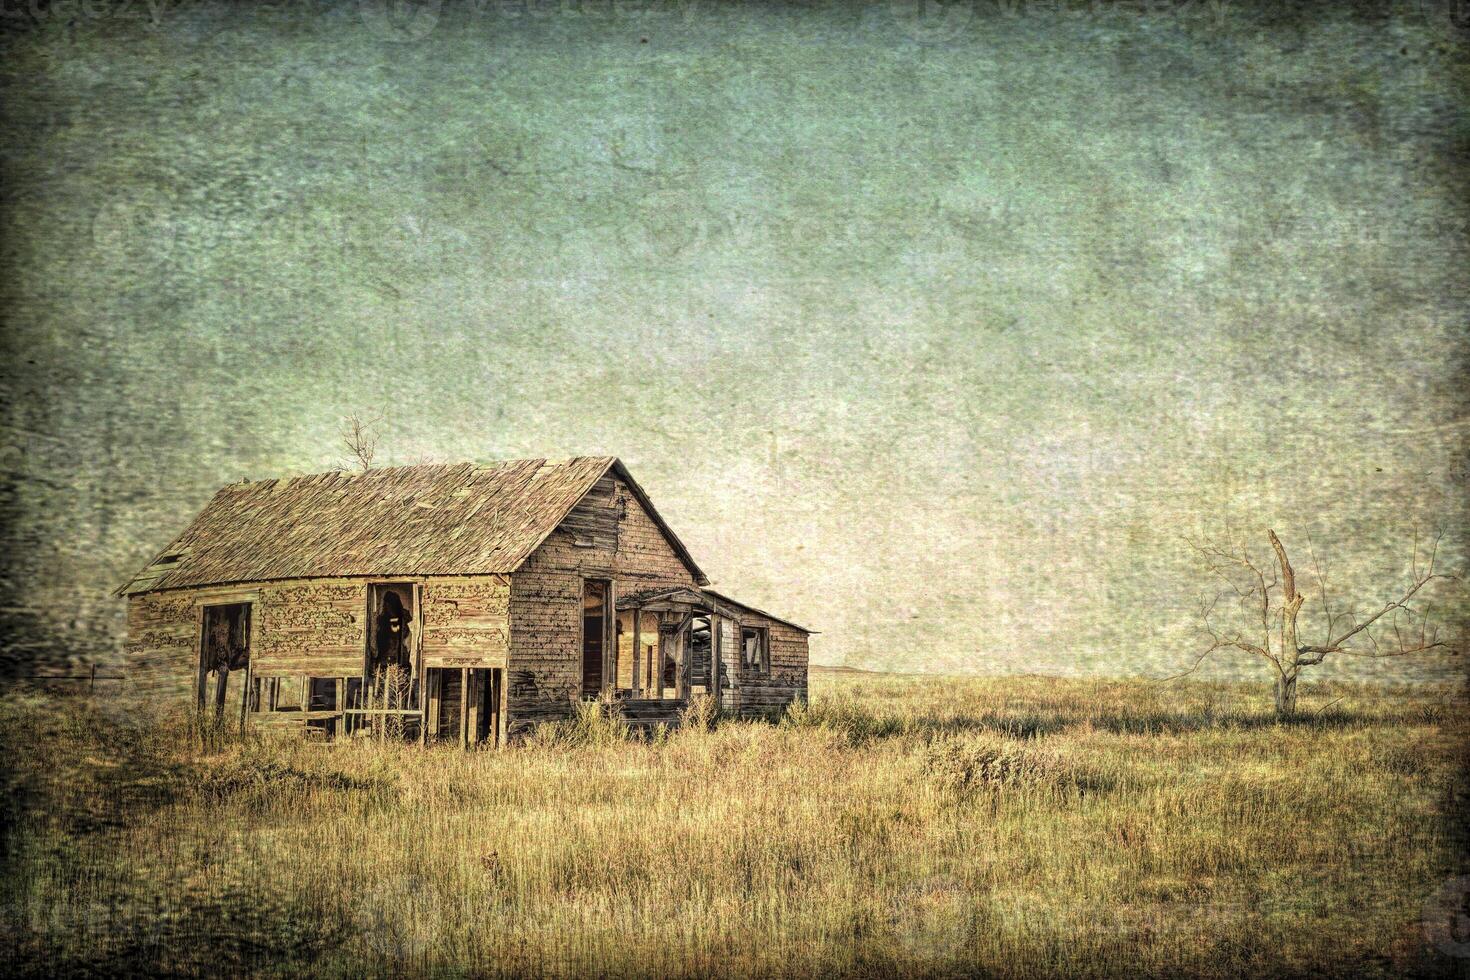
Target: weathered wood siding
{"type": "Point", "coordinates": [162, 647]}
{"type": "Point", "coordinates": [319, 627]}
{"type": "Point", "coordinates": [608, 535]}
{"type": "Point", "coordinates": [466, 621]}
{"type": "Point", "coordinates": [787, 681]}
{"type": "Point", "coordinates": [595, 519]}
{"type": "Point", "coordinates": [316, 627]}
{"type": "Point", "coordinates": [313, 626]}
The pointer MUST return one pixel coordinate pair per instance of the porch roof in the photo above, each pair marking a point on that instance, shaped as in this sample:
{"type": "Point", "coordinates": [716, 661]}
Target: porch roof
{"type": "Point", "coordinates": [707, 600]}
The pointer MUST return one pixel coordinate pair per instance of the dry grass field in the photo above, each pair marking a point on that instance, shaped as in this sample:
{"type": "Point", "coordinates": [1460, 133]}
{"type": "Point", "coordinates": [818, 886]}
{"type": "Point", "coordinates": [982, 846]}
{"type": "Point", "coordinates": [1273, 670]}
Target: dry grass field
{"type": "Point", "coordinates": [1010, 827]}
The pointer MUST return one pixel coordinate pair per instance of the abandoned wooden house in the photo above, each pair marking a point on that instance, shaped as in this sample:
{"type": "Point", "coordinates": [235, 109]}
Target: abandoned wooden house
{"type": "Point", "coordinates": [463, 602]}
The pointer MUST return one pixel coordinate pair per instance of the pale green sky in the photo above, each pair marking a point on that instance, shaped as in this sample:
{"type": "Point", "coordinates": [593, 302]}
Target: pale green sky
{"type": "Point", "coordinates": [930, 329]}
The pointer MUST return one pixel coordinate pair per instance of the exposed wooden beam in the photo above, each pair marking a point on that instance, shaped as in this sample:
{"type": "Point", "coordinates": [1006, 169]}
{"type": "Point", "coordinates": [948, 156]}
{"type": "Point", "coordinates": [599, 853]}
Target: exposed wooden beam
{"type": "Point", "coordinates": [417, 639]}
{"type": "Point", "coordinates": [475, 700]}
{"type": "Point", "coordinates": [464, 707]}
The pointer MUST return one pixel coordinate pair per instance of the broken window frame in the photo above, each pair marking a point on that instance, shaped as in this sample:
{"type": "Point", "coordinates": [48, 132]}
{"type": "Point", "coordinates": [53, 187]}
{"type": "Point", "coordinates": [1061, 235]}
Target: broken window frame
{"type": "Point", "coordinates": [377, 592]}
{"type": "Point", "coordinates": [208, 696]}
{"type": "Point", "coordinates": [760, 665]}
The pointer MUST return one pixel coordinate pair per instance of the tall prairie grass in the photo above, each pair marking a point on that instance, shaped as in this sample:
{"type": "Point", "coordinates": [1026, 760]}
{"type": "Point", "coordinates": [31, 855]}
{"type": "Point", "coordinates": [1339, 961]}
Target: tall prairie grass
{"type": "Point", "coordinates": [1014, 827]}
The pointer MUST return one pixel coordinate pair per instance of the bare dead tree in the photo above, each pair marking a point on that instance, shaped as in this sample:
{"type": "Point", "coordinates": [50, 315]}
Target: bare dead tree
{"type": "Point", "coordinates": [1266, 620]}
{"type": "Point", "coordinates": [360, 437]}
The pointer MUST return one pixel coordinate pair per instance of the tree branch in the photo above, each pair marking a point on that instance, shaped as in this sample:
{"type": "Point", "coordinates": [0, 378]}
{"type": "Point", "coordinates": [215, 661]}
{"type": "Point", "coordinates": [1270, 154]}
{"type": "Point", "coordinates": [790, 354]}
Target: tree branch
{"type": "Point", "coordinates": [360, 437]}
{"type": "Point", "coordinates": [1397, 629]}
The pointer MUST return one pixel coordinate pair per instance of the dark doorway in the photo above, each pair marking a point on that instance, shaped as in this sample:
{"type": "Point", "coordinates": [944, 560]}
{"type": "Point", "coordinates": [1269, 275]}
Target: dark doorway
{"type": "Point", "coordinates": [224, 648]}
{"type": "Point", "coordinates": [484, 708]}
{"type": "Point", "coordinates": [596, 627]}
{"type": "Point", "coordinates": [464, 705]}
{"type": "Point", "coordinates": [390, 641]}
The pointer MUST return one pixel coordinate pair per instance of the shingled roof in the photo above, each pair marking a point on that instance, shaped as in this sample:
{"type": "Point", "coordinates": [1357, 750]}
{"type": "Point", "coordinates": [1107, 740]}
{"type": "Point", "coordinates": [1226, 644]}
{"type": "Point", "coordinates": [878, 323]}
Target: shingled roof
{"type": "Point", "coordinates": [457, 519]}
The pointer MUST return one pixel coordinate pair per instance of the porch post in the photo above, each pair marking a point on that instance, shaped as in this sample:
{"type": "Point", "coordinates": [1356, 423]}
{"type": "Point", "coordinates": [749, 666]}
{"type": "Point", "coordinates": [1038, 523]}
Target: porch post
{"type": "Point", "coordinates": [658, 668]}
{"type": "Point", "coordinates": [416, 654]}
{"type": "Point", "coordinates": [714, 656]}
{"type": "Point", "coordinates": [637, 652]}
{"type": "Point", "coordinates": [200, 621]}
{"type": "Point", "coordinates": [681, 657]}
{"type": "Point", "coordinates": [610, 642]}
{"type": "Point", "coordinates": [464, 708]}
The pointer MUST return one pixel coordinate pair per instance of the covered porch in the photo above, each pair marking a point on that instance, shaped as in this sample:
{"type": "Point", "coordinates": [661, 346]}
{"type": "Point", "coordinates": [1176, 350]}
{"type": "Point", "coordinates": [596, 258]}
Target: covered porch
{"type": "Point", "coordinates": [670, 643]}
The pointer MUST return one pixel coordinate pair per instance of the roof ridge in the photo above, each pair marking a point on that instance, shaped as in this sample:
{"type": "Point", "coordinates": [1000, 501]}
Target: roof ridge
{"type": "Point", "coordinates": [485, 464]}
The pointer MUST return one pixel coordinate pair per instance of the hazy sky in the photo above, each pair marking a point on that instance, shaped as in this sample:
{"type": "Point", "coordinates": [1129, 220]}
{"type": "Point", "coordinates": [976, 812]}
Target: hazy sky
{"type": "Point", "coordinates": [931, 328]}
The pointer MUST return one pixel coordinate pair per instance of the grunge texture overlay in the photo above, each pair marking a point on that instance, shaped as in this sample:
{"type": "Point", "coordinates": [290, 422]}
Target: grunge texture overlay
{"type": "Point", "coordinates": [931, 326]}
